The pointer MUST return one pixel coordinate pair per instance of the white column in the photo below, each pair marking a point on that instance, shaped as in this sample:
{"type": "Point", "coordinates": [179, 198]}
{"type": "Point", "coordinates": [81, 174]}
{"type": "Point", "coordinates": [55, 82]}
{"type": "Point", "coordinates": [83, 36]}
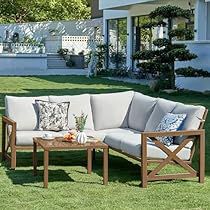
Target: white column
{"type": "Point", "coordinates": [105, 30]}
{"type": "Point", "coordinates": [208, 21]}
{"type": "Point", "coordinates": [200, 20]}
{"type": "Point", "coordinates": [129, 42]}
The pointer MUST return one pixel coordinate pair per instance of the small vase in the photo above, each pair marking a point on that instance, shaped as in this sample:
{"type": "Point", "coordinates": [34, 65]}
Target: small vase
{"type": "Point", "coordinates": [81, 137]}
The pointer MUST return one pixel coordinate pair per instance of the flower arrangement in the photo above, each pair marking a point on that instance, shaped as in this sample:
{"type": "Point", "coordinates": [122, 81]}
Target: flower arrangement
{"type": "Point", "coordinates": [80, 122]}
{"type": "Point", "coordinates": [70, 136]}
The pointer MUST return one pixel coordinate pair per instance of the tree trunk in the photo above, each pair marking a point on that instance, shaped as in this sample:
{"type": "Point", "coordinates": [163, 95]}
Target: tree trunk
{"type": "Point", "coordinates": [172, 65]}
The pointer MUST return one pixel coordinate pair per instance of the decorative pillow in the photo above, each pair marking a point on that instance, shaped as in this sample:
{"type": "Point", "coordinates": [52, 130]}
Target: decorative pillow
{"type": "Point", "coordinates": [170, 122]}
{"type": "Point", "coordinates": [52, 116]}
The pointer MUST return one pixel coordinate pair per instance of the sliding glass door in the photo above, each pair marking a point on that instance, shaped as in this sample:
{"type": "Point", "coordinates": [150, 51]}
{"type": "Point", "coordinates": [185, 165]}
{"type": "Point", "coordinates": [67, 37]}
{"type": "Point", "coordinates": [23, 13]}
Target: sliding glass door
{"type": "Point", "coordinates": [117, 40]}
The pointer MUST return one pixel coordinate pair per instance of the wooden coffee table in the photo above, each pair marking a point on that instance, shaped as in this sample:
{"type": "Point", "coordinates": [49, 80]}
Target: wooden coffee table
{"type": "Point", "coordinates": [61, 144]}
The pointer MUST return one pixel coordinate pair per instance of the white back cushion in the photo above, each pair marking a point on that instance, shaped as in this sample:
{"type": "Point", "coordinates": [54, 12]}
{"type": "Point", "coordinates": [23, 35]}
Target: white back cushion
{"type": "Point", "coordinates": [78, 104]}
{"type": "Point", "coordinates": [193, 119]}
{"type": "Point", "coordinates": [162, 107]}
{"type": "Point", "coordinates": [140, 111]}
{"type": "Point", "coordinates": [23, 111]}
{"type": "Point", "coordinates": [111, 110]}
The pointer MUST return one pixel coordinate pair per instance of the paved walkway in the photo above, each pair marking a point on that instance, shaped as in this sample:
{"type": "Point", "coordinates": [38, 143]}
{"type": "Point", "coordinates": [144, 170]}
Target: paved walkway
{"type": "Point", "coordinates": [47, 72]}
{"type": "Point", "coordinates": [129, 80]}
{"type": "Point", "coordinates": [199, 84]}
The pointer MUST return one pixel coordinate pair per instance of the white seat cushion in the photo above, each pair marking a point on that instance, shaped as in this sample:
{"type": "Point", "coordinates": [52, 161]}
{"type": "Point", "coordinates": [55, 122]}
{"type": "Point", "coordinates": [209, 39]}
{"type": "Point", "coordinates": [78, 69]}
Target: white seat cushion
{"type": "Point", "coordinates": [25, 138]}
{"type": "Point", "coordinates": [131, 144]}
{"type": "Point", "coordinates": [161, 109]}
{"type": "Point", "coordinates": [23, 111]}
{"type": "Point", "coordinates": [111, 110]}
{"type": "Point", "coordinates": [140, 111]}
{"type": "Point", "coordinates": [78, 104]}
{"type": "Point", "coordinates": [101, 134]}
{"type": "Point", "coordinates": [119, 133]}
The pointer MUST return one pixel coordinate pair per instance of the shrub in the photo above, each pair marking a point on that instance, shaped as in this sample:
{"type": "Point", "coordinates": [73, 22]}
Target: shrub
{"type": "Point", "coordinates": [192, 72]}
{"type": "Point", "coordinates": [121, 72]}
{"type": "Point", "coordinates": [63, 52]}
{"type": "Point", "coordinates": [70, 63]}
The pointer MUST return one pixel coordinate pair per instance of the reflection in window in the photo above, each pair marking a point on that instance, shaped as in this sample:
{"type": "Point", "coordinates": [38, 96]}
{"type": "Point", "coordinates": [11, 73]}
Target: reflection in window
{"type": "Point", "coordinates": [117, 39]}
{"type": "Point", "coordinates": [143, 38]}
{"type": "Point", "coordinates": [182, 23]}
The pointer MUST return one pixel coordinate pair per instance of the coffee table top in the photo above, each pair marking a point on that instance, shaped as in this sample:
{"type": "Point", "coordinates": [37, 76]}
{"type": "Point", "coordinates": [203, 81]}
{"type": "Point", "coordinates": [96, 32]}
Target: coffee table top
{"type": "Point", "coordinates": [60, 143]}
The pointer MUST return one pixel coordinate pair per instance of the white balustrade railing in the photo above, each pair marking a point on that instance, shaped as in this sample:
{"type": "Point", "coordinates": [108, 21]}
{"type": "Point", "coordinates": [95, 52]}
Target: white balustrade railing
{"type": "Point", "coordinates": [22, 48]}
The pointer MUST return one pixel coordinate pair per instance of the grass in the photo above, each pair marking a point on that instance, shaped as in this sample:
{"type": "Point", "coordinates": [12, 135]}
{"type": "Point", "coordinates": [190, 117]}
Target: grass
{"type": "Point", "coordinates": [69, 185]}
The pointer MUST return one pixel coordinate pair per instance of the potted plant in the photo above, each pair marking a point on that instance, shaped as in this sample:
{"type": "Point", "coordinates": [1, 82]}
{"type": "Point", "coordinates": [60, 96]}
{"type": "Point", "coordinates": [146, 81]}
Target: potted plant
{"type": "Point", "coordinates": [53, 32]}
{"type": "Point", "coordinates": [80, 121]}
{"type": "Point", "coordinates": [63, 52]}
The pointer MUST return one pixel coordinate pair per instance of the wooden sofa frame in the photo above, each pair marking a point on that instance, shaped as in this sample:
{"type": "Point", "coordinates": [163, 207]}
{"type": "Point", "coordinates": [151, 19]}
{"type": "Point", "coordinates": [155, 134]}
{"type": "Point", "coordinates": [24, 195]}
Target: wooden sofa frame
{"type": "Point", "coordinates": [197, 136]}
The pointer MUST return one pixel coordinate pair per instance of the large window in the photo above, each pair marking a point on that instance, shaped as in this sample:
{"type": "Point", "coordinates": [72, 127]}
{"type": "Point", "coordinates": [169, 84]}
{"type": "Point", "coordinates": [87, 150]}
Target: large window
{"type": "Point", "coordinates": [143, 38]}
{"type": "Point", "coordinates": [182, 23]}
{"type": "Point", "coordinates": [117, 40]}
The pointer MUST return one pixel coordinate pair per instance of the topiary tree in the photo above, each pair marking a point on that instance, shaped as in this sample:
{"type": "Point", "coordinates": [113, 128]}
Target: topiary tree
{"type": "Point", "coordinates": [161, 61]}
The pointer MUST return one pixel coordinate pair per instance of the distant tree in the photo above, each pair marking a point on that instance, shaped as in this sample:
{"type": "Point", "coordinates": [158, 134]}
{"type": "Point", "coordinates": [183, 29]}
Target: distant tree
{"type": "Point", "coordinates": [20, 11]}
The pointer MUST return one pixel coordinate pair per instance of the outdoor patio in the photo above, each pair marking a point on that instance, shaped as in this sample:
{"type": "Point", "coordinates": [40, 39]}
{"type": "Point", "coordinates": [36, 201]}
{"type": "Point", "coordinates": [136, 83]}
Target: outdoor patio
{"type": "Point", "coordinates": [70, 186]}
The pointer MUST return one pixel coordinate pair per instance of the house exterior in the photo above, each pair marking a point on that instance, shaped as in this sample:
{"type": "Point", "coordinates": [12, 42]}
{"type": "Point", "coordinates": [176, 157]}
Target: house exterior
{"type": "Point", "coordinates": [122, 19]}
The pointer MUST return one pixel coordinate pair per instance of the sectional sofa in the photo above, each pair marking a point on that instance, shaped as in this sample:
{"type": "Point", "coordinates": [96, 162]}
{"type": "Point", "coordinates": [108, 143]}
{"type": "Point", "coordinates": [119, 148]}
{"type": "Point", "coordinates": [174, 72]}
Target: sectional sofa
{"type": "Point", "coordinates": [126, 121]}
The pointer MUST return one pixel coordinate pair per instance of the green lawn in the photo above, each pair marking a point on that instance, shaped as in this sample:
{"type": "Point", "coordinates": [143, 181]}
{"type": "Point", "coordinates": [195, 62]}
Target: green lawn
{"type": "Point", "coordinates": [69, 185]}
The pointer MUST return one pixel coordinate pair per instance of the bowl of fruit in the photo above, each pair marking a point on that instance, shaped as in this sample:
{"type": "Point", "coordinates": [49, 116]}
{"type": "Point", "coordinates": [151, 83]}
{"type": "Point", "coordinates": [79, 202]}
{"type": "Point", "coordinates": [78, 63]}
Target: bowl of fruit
{"type": "Point", "coordinates": [70, 136]}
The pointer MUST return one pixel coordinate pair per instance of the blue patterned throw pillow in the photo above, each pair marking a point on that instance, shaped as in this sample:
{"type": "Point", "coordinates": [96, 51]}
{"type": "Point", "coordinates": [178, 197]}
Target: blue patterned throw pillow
{"type": "Point", "coordinates": [170, 122]}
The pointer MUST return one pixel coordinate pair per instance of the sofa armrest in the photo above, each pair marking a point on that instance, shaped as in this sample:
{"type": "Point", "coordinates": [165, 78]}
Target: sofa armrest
{"type": "Point", "coordinates": [8, 121]}
{"type": "Point", "coordinates": [189, 133]}
{"type": "Point", "coordinates": [172, 155]}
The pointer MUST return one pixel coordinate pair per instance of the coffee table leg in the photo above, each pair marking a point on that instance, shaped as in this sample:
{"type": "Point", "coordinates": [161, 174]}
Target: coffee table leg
{"type": "Point", "coordinates": [89, 161]}
{"type": "Point", "coordinates": [105, 166]}
{"type": "Point", "coordinates": [35, 159]}
{"type": "Point", "coordinates": [46, 162]}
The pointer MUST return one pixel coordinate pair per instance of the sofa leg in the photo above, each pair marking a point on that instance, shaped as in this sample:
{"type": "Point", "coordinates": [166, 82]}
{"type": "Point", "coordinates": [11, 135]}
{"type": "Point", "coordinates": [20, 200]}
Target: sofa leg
{"type": "Point", "coordinates": [13, 158]}
{"type": "Point", "coordinates": [144, 162]}
{"type": "Point", "coordinates": [143, 177]}
{"type": "Point", "coordinates": [3, 141]}
{"type": "Point", "coordinates": [144, 172]}
{"type": "Point", "coordinates": [202, 158]}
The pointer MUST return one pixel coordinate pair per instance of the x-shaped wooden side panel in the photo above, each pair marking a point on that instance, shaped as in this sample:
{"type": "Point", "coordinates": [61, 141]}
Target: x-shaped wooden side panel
{"type": "Point", "coordinates": [172, 156]}
{"type": "Point", "coordinates": [8, 139]}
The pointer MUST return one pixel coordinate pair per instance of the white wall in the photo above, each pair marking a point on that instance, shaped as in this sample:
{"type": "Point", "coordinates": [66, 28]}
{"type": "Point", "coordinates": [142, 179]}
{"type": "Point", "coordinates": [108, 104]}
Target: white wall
{"type": "Point", "coordinates": [208, 22]}
{"type": "Point", "coordinates": [40, 30]}
{"type": "Point", "coordinates": [23, 62]}
{"type": "Point", "coordinates": [199, 84]}
{"type": "Point", "coordinates": [200, 20]}
{"type": "Point", "coordinates": [202, 50]}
